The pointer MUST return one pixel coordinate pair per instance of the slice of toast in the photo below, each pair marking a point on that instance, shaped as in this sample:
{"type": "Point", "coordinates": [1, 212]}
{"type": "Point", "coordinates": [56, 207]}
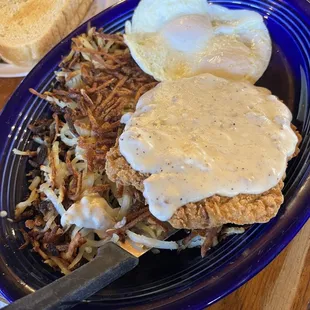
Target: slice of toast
{"type": "Point", "coordinates": [30, 28]}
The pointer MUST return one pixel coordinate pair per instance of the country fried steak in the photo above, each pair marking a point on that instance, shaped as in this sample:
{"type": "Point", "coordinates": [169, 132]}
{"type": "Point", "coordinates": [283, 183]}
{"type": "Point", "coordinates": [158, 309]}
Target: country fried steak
{"type": "Point", "coordinates": [210, 212]}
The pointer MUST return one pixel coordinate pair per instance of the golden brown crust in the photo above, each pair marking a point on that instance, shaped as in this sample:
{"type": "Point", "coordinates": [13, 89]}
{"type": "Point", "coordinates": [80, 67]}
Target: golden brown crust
{"type": "Point", "coordinates": [119, 171]}
{"type": "Point", "coordinates": [299, 137]}
{"type": "Point", "coordinates": [241, 209]}
{"type": "Point", "coordinates": [210, 212]}
{"type": "Point", "coordinates": [30, 50]}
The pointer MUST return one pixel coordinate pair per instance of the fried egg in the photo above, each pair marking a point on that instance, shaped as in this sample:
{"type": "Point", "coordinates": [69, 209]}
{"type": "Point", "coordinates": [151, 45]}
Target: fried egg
{"type": "Point", "coordinates": [173, 39]}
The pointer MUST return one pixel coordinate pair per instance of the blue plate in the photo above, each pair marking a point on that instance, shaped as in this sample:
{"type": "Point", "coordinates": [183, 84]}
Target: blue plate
{"type": "Point", "coordinates": [170, 280]}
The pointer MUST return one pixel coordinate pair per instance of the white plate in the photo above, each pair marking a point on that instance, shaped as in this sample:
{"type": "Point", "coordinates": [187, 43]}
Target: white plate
{"type": "Point", "coordinates": [7, 70]}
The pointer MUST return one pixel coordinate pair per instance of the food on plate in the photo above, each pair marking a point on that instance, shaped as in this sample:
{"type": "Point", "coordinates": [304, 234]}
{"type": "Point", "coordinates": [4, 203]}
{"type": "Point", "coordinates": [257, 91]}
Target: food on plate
{"type": "Point", "coordinates": [124, 156]}
{"type": "Point", "coordinates": [72, 208]}
{"type": "Point", "coordinates": [29, 29]}
{"type": "Point", "coordinates": [215, 210]}
{"type": "Point", "coordinates": [206, 151]}
{"type": "Point", "coordinates": [185, 38]}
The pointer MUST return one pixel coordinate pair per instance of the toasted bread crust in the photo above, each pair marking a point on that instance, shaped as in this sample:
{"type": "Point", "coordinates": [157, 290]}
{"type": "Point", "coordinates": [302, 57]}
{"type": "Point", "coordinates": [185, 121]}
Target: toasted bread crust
{"type": "Point", "coordinates": [29, 51]}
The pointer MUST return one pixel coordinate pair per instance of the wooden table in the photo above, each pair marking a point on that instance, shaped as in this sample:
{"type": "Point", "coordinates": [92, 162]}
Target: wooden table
{"type": "Point", "coordinates": [283, 285]}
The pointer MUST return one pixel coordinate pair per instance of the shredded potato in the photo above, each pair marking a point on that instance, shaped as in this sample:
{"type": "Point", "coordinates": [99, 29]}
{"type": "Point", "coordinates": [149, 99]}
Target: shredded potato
{"type": "Point", "coordinates": [61, 265]}
{"type": "Point", "coordinates": [67, 137]}
{"type": "Point", "coordinates": [152, 242]}
{"type": "Point", "coordinates": [35, 183]}
{"type": "Point", "coordinates": [53, 198]}
{"type": "Point", "coordinates": [21, 207]}
{"type": "Point", "coordinates": [97, 83]}
{"type": "Point", "coordinates": [24, 153]}
{"type": "Point", "coordinates": [78, 257]}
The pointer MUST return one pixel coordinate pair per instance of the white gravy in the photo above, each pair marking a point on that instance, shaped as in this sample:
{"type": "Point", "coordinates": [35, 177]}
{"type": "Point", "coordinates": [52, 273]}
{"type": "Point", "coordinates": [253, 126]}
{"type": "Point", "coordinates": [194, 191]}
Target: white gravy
{"type": "Point", "coordinates": [92, 211]}
{"type": "Point", "coordinates": [203, 136]}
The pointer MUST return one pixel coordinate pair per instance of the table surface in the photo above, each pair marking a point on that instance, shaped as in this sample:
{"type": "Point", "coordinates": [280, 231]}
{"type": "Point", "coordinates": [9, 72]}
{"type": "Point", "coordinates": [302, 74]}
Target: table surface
{"type": "Point", "coordinates": [283, 285]}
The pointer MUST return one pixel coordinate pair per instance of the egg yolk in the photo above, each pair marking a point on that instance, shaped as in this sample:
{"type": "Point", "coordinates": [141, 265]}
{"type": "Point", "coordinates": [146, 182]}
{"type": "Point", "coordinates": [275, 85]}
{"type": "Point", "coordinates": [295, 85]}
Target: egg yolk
{"type": "Point", "coordinates": [188, 33]}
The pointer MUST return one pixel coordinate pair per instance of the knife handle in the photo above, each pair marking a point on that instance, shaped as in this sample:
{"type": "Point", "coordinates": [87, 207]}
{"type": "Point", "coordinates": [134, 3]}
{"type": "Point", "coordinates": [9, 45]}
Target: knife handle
{"type": "Point", "coordinates": [110, 264]}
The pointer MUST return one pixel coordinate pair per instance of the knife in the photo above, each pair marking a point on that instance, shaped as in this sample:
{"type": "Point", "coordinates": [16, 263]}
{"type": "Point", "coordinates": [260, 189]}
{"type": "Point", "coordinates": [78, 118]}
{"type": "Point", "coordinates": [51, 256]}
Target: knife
{"type": "Point", "coordinates": [111, 262]}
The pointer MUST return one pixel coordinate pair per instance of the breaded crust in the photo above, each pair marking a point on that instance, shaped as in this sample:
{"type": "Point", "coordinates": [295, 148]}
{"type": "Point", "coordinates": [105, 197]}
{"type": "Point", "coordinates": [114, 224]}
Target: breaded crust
{"type": "Point", "coordinates": [241, 209]}
{"type": "Point", "coordinates": [210, 212]}
{"type": "Point", "coordinates": [119, 171]}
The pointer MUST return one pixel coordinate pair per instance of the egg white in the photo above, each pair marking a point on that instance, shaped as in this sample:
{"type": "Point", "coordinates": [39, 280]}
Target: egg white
{"type": "Point", "coordinates": [172, 39]}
